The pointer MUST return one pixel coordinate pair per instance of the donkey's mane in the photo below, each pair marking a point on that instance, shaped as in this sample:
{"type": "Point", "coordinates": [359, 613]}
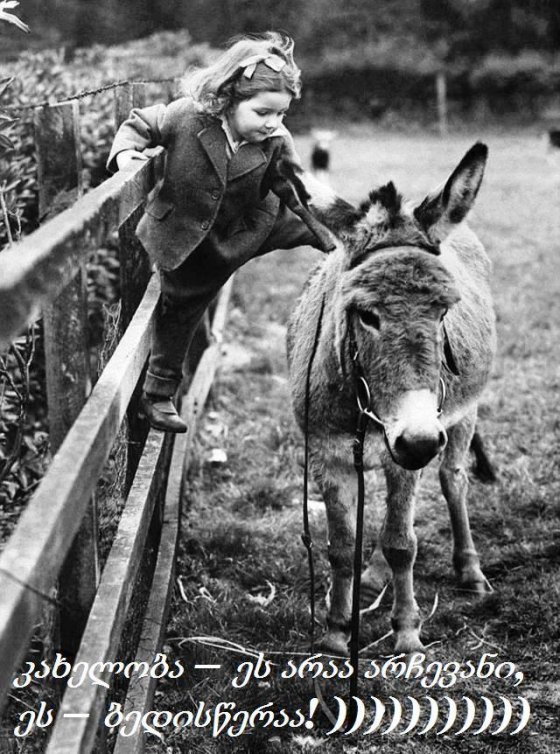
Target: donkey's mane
{"type": "Point", "coordinates": [388, 198]}
{"type": "Point", "coordinates": [383, 223]}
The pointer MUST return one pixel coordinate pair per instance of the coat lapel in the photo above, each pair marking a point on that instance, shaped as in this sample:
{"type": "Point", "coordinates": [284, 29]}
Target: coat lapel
{"type": "Point", "coordinates": [248, 158]}
{"type": "Point", "coordinates": [213, 139]}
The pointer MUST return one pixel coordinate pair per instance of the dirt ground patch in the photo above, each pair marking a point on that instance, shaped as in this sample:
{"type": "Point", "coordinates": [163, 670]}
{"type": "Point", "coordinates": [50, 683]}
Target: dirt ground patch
{"type": "Point", "coordinates": [243, 570]}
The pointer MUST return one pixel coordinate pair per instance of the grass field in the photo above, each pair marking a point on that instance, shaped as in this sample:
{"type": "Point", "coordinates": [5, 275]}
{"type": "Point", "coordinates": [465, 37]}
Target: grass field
{"type": "Point", "coordinates": [243, 569]}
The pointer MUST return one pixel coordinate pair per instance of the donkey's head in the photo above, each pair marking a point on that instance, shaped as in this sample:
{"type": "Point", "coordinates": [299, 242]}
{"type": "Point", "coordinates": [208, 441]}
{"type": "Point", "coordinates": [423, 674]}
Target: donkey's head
{"type": "Point", "coordinates": [389, 330]}
{"type": "Point", "coordinates": [391, 299]}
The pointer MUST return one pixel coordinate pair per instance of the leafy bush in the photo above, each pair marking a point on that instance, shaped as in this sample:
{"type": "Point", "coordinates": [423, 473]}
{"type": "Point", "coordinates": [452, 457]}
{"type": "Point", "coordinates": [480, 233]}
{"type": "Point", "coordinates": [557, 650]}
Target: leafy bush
{"type": "Point", "coordinates": [529, 73]}
{"type": "Point", "coordinates": [396, 77]}
{"type": "Point", "coordinates": [23, 445]}
{"type": "Point", "coordinates": [46, 77]}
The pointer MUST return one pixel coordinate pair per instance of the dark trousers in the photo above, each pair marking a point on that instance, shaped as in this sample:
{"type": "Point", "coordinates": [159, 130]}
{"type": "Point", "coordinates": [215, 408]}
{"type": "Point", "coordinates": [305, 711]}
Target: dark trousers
{"type": "Point", "coordinates": [187, 291]}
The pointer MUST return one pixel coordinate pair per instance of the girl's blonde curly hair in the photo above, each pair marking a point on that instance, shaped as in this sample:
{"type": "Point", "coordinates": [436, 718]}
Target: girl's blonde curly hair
{"type": "Point", "coordinates": [220, 85]}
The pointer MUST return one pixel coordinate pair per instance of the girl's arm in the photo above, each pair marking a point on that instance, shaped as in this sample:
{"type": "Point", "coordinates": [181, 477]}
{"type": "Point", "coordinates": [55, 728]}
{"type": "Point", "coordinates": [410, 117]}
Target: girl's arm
{"type": "Point", "coordinates": [289, 148]}
{"type": "Point", "coordinates": [143, 129]}
{"type": "Point", "coordinates": [285, 151]}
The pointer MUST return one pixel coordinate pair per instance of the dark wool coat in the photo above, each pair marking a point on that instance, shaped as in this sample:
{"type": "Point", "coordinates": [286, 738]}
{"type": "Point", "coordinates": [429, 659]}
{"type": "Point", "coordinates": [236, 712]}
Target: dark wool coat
{"type": "Point", "coordinates": [203, 194]}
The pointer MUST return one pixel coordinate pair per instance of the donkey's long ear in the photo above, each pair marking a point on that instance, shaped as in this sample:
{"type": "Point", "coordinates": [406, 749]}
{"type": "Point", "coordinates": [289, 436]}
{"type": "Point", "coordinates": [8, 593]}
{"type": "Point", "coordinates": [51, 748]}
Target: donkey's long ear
{"type": "Point", "coordinates": [332, 210]}
{"type": "Point", "coordinates": [447, 207]}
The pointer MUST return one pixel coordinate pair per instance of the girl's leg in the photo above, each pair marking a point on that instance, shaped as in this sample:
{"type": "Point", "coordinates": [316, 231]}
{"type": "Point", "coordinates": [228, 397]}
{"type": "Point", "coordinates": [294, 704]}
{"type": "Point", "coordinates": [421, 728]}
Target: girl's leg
{"type": "Point", "coordinates": [186, 292]}
{"type": "Point", "coordinates": [179, 311]}
{"type": "Point", "coordinates": [288, 232]}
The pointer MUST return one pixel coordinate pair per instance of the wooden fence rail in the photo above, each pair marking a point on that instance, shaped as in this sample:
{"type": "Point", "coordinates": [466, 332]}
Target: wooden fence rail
{"type": "Point", "coordinates": [55, 541]}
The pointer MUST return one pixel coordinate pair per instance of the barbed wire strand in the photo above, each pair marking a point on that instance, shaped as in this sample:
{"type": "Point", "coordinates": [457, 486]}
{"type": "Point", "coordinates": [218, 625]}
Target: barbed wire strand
{"type": "Point", "coordinates": [85, 93]}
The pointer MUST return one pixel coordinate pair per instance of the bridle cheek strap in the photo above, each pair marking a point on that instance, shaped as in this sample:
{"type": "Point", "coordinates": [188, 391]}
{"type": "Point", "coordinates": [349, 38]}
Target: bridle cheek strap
{"type": "Point", "coordinates": [448, 355]}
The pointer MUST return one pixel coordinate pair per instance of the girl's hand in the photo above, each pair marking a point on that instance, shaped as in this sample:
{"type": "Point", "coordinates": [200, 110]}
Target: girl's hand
{"type": "Point", "coordinates": [128, 156]}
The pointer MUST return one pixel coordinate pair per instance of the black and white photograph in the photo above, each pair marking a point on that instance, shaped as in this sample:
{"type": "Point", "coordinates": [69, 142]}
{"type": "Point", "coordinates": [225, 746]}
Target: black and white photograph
{"type": "Point", "coordinates": [279, 377]}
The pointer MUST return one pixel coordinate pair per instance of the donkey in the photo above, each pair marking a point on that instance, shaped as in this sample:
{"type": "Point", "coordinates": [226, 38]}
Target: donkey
{"type": "Point", "coordinates": [402, 303]}
{"type": "Point", "coordinates": [321, 154]}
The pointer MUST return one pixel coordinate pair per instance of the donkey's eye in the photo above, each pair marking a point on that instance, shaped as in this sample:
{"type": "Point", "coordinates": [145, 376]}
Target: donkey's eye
{"type": "Point", "coordinates": [369, 318]}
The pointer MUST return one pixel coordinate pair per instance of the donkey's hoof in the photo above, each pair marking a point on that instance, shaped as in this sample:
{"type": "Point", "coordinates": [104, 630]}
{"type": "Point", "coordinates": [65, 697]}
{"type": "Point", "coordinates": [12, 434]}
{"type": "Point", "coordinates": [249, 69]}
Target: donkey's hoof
{"type": "Point", "coordinates": [334, 642]}
{"type": "Point", "coordinates": [407, 634]}
{"type": "Point", "coordinates": [478, 588]}
{"type": "Point", "coordinates": [475, 582]}
{"type": "Point", "coordinates": [408, 642]}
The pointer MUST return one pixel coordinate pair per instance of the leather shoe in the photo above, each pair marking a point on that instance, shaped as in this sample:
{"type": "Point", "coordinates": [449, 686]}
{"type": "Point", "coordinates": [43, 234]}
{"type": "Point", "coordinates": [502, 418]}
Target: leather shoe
{"type": "Point", "coordinates": [161, 413]}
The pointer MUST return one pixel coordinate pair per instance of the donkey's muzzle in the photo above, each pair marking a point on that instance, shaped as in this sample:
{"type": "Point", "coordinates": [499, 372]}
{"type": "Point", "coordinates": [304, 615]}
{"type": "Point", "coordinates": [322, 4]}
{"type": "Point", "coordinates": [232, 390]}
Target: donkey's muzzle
{"type": "Point", "coordinates": [414, 451]}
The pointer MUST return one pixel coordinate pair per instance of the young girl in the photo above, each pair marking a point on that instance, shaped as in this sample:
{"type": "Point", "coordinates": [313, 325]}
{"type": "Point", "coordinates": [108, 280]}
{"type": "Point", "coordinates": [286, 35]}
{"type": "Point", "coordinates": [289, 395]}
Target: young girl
{"type": "Point", "coordinates": [212, 212]}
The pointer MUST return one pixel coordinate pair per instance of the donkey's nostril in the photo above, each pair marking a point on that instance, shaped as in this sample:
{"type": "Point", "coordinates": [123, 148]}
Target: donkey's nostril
{"type": "Point", "coordinates": [414, 452]}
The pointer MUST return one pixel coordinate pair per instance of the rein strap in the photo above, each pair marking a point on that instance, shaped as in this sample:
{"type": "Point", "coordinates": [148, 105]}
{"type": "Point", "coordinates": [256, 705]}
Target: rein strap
{"type": "Point", "coordinates": [306, 534]}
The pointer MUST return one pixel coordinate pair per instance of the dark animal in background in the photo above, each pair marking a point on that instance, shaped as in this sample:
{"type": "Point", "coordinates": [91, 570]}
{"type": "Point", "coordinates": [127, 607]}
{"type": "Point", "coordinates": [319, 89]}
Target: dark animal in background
{"type": "Point", "coordinates": [404, 301]}
{"type": "Point", "coordinates": [321, 154]}
{"type": "Point", "coordinates": [554, 138]}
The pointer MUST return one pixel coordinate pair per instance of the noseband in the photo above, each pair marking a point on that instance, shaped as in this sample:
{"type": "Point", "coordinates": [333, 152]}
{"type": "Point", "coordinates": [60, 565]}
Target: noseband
{"type": "Point", "coordinates": [361, 387]}
{"type": "Point", "coordinates": [363, 392]}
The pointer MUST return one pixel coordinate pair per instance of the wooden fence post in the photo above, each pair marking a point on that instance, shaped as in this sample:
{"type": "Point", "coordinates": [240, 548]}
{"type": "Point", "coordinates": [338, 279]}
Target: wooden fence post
{"type": "Point", "coordinates": [172, 89]}
{"type": "Point", "coordinates": [67, 354]}
{"type": "Point", "coordinates": [139, 94]}
{"type": "Point", "coordinates": [123, 103]}
{"type": "Point", "coordinates": [441, 93]}
{"type": "Point", "coordinates": [134, 264]}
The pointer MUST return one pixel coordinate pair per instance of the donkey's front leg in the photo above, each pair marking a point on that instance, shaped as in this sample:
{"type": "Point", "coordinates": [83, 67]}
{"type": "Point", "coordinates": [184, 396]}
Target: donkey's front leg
{"type": "Point", "coordinates": [455, 484]}
{"type": "Point", "coordinates": [338, 490]}
{"type": "Point", "coordinates": [398, 541]}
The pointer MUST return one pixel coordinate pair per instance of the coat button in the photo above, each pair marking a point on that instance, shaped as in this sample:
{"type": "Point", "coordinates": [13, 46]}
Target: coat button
{"type": "Point", "coordinates": [215, 194]}
{"type": "Point", "coordinates": [205, 225]}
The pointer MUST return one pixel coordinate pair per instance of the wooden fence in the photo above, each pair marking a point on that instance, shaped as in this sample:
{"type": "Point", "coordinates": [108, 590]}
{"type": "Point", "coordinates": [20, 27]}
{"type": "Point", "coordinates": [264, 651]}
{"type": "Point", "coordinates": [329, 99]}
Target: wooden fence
{"type": "Point", "coordinates": [52, 557]}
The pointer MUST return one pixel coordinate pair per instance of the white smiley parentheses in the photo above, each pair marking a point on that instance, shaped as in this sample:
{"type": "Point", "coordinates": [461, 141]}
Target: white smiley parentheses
{"type": "Point", "coordinates": [397, 714]}
{"type": "Point", "coordinates": [487, 717]}
{"type": "Point", "coordinates": [524, 717]}
{"type": "Point", "coordinates": [379, 713]}
{"type": "Point", "coordinates": [471, 711]}
{"type": "Point", "coordinates": [434, 712]}
{"type": "Point", "coordinates": [342, 712]}
{"type": "Point", "coordinates": [360, 714]}
{"type": "Point", "coordinates": [413, 718]}
{"type": "Point", "coordinates": [508, 709]}
{"type": "Point", "coordinates": [451, 717]}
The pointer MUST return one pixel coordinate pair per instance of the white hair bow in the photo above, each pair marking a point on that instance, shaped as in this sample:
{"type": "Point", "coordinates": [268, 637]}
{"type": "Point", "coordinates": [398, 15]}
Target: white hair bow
{"type": "Point", "coordinates": [275, 62]}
